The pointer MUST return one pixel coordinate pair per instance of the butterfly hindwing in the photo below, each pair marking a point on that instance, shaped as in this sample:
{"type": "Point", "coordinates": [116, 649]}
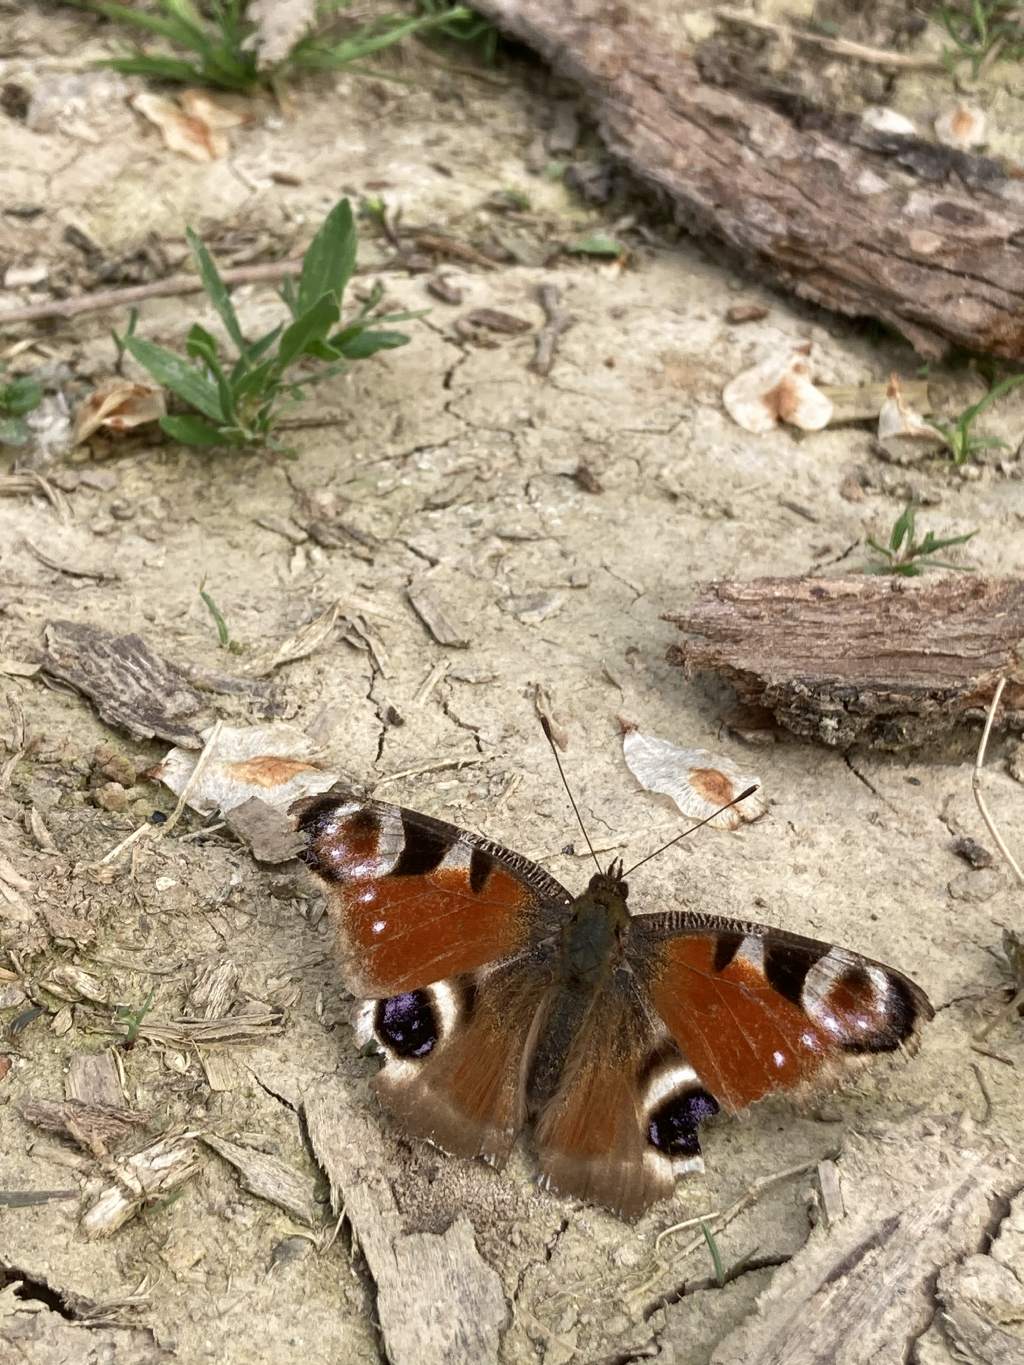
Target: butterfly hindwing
{"type": "Point", "coordinates": [415, 900]}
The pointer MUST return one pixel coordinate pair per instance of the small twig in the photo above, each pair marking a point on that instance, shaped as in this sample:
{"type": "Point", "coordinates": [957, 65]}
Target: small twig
{"type": "Point", "coordinates": [976, 786]}
{"type": "Point", "coordinates": [268, 272]}
{"type": "Point", "coordinates": [464, 762]}
{"type": "Point", "coordinates": [984, 1092]}
{"type": "Point", "coordinates": [547, 338]}
{"type": "Point", "coordinates": [842, 47]}
{"type": "Point", "coordinates": [720, 1219]}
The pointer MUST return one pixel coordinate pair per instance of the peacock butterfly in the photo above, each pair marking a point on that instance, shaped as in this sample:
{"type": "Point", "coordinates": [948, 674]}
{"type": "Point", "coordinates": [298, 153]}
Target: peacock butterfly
{"type": "Point", "coordinates": [498, 997]}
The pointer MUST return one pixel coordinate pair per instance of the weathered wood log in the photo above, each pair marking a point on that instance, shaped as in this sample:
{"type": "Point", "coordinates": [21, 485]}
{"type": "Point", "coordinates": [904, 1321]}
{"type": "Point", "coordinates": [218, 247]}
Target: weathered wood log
{"type": "Point", "coordinates": [925, 238]}
{"type": "Point", "coordinates": [862, 660]}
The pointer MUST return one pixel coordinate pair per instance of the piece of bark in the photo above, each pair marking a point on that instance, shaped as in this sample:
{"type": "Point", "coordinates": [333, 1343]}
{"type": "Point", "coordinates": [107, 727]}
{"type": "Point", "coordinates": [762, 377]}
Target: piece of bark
{"type": "Point", "coordinates": [139, 1179]}
{"type": "Point", "coordinates": [863, 1289]}
{"type": "Point", "coordinates": [436, 618]}
{"type": "Point", "coordinates": [270, 1179]}
{"type": "Point", "coordinates": [265, 830]}
{"type": "Point", "coordinates": [437, 1298]}
{"type": "Point", "coordinates": [213, 990]}
{"type": "Point", "coordinates": [94, 1078]}
{"type": "Point", "coordinates": [928, 239]}
{"type": "Point", "coordinates": [862, 660]}
{"type": "Point", "coordinates": [130, 686]}
{"type": "Point", "coordinates": [92, 1126]}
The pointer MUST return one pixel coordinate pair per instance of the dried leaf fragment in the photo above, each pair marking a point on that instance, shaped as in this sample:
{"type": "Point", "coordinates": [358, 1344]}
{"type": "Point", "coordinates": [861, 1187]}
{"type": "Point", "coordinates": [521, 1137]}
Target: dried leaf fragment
{"type": "Point", "coordinates": [195, 127]}
{"type": "Point", "coordinates": [118, 405]}
{"type": "Point", "coordinates": [271, 762]}
{"type": "Point", "coordinates": [899, 424]}
{"type": "Point", "coordinates": [885, 120]}
{"type": "Point", "coordinates": [778, 389]}
{"type": "Point", "coordinates": [698, 781]}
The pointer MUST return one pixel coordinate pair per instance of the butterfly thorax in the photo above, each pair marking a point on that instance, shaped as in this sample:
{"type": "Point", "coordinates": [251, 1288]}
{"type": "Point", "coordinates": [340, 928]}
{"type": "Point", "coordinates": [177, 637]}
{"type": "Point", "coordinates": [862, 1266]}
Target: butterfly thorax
{"type": "Point", "coordinates": [594, 935]}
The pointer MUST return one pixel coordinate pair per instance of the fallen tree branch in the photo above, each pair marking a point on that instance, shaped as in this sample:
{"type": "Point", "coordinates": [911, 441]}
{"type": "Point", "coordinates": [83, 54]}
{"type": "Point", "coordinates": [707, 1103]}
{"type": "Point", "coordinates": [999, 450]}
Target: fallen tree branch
{"type": "Point", "coordinates": [928, 239]}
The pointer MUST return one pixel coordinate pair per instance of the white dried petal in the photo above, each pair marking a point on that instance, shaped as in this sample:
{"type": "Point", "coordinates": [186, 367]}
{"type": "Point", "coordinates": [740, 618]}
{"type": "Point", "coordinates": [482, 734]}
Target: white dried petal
{"type": "Point", "coordinates": [963, 127]}
{"type": "Point", "coordinates": [778, 389]}
{"type": "Point", "coordinates": [898, 422]}
{"type": "Point", "coordinates": [884, 120]}
{"type": "Point", "coordinates": [698, 781]}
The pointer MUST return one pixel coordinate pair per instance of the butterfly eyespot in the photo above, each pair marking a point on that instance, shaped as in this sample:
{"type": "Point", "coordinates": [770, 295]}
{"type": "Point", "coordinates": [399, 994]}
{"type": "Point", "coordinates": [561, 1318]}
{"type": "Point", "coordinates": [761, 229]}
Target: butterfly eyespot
{"type": "Point", "coordinates": [672, 1127]}
{"type": "Point", "coordinates": [407, 1025]}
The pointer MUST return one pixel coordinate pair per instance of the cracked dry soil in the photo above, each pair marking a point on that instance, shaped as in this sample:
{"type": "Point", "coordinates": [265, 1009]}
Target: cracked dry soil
{"type": "Point", "coordinates": [452, 469]}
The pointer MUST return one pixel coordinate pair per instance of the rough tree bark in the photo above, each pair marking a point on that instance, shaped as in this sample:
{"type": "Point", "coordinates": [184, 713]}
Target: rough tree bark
{"type": "Point", "coordinates": [929, 240]}
{"type": "Point", "coordinates": [862, 660]}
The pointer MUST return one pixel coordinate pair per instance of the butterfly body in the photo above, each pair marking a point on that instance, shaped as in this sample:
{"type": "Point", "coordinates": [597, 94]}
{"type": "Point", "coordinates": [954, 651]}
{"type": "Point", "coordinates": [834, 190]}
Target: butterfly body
{"type": "Point", "coordinates": [498, 999]}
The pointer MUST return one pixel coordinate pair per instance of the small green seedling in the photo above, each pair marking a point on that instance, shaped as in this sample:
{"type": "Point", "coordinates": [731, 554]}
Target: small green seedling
{"type": "Point", "coordinates": [216, 44]}
{"type": "Point", "coordinates": [240, 403]}
{"type": "Point", "coordinates": [985, 27]}
{"type": "Point", "coordinates": [959, 436]}
{"type": "Point", "coordinates": [17, 397]}
{"type": "Point", "coordinates": [132, 1016]}
{"type": "Point", "coordinates": [716, 1255]}
{"type": "Point", "coordinates": [909, 557]}
{"type": "Point", "coordinates": [223, 634]}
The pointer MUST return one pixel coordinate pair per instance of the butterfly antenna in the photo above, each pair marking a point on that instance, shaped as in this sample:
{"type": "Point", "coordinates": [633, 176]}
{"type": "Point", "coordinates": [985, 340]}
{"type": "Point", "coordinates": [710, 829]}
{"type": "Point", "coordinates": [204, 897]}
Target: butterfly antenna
{"type": "Point", "coordinates": [735, 801]}
{"type": "Point", "coordinates": [546, 725]}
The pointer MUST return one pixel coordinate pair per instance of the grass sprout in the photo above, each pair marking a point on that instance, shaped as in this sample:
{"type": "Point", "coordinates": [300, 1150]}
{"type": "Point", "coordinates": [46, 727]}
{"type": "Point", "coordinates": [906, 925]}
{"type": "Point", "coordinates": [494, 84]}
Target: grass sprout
{"type": "Point", "coordinates": [909, 557]}
{"type": "Point", "coordinates": [216, 43]}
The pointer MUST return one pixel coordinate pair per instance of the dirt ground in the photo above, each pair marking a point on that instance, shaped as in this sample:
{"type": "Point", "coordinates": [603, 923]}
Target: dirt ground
{"type": "Point", "coordinates": [454, 468]}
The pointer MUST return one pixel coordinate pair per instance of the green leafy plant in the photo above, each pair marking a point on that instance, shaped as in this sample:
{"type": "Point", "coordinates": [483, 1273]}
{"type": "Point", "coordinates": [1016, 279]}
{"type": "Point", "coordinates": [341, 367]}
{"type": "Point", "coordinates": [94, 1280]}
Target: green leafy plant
{"type": "Point", "coordinates": [907, 556]}
{"type": "Point", "coordinates": [984, 27]}
{"type": "Point", "coordinates": [959, 436]}
{"type": "Point", "coordinates": [241, 402]}
{"type": "Point", "coordinates": [17, 397]}
{"type": "Point", "coordinates": [215, 43]}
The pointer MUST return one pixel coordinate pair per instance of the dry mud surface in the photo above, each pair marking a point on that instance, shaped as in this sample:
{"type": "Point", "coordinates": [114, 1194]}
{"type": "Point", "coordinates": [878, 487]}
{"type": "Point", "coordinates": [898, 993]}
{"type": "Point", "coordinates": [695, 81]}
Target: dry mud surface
{"type": "Point", "coordinates": [454, 469]}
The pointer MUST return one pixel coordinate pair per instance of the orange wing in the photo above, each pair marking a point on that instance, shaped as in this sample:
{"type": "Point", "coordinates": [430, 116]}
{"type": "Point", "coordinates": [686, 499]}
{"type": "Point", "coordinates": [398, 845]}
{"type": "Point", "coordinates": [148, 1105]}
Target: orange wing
{"type": "Point", "coordinates": [755, 1010]}
{"type": "Point", "coordinates": [415, 900]}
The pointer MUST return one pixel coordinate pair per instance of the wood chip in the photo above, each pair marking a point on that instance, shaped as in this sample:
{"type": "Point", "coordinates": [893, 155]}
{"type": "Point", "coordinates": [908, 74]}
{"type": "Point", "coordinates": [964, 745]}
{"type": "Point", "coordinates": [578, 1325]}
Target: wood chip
{"type": "Point", "coordinates": [213, 991]}
{"type": "Point", "coordinates": [305, 641]}
{"type": "Point", "coordinates": [267, 1178]}
{"type": "Point", "coordinates": [130, 686]}
{"type": "Point", "coordinates": [266, 831]}
{"type": "Point", "coordinates": [436, 619]}
{"type": "Point", "coordinates": [831, 1192]}
{"type": "Point", "coordinates": [153, 1173]}
{"type": "Point", "coordinates": [413, 1272]}
{"type": "Point", "coordinates": [494, 320]}
{"type": "Point", "coordinates": [94, 1078]}
{"type": "Point", "coordinates": [236, 1028]}
{"type": "Point", "coordinates": [93, 1126]}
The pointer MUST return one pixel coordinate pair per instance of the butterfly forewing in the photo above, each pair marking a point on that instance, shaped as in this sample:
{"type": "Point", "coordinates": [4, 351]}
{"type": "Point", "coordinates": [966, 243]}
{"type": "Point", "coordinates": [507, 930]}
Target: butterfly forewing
{"type": "Point", "coordinates": [755, 1010]}
{"type": "Point", "coordinates": [415, 900]}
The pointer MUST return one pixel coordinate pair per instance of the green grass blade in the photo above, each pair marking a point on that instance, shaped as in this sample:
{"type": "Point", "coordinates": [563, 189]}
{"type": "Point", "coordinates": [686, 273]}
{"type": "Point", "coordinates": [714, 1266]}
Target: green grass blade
{"type": "Point", "coordinates": [369, 342]}
{"type": "Point", "coordinates": [192, 431]}
{"type": "Point", "coordinates": [177, 375]}
{"type": "Point", "coordinates": [216, 289]}
{"type": "Point", "coordinates": [308, 327]}
{"type": "Point", "coordinates": [174, 28]}
{"type": "Point", "coordinates": [156, 68]}
{"type": "Point", "coordinates": [19, 396]}
{"type": "Point", "coordinates": [329, 260]}
{"type": "Point", "coordinates": [13, 432]}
